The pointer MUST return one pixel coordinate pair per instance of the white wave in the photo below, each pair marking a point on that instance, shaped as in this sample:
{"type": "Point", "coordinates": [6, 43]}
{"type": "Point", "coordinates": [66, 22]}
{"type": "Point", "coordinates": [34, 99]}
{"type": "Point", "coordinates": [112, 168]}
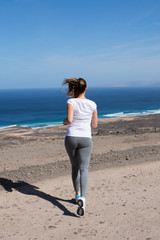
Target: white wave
{"type": "Point", "coordinates": [35, 125]}
{"type": "Point", "coordinates": [10, 126]}
{"type": "Point", "coordinates": [152, 112]}
{"type": "Point", "coordinates": [122, 114]}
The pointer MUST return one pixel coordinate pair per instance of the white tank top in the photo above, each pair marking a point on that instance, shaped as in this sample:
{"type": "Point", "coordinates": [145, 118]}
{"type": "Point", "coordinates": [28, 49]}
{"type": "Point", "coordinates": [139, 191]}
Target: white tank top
{"type": "Point", "coordinates": [81, 124]}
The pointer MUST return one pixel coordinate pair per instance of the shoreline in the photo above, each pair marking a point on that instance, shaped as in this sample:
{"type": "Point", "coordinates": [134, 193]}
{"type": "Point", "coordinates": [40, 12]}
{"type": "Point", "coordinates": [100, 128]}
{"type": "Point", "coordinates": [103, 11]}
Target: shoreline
{"type": "Point", "coordinates": [106, 119]}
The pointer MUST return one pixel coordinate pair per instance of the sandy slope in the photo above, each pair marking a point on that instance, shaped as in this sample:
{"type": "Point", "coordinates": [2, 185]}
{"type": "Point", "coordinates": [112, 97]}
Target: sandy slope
{"type": "Point", "coordinates": [123, 197]}
{"type": "Point", "coordinates": [122, 203]}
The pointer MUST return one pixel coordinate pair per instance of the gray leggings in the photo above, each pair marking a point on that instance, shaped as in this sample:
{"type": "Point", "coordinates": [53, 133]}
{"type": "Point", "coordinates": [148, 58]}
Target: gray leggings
{"type": "Point", "coordinates": [79, 150]}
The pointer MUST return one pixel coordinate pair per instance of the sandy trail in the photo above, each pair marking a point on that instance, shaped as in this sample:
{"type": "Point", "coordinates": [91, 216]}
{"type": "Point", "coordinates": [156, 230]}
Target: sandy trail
{"type": "Point", "coordinates": [122, 203]}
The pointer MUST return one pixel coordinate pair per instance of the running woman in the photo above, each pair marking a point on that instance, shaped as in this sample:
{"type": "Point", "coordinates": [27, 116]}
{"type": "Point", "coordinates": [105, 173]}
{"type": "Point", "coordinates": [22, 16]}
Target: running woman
{"type": "Point", "coordinates": [81, 116]}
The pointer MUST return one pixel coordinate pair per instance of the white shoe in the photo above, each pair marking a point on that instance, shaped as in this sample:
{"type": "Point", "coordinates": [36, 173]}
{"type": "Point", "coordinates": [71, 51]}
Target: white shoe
{"type": "Point", "coordinates": [81, 203]}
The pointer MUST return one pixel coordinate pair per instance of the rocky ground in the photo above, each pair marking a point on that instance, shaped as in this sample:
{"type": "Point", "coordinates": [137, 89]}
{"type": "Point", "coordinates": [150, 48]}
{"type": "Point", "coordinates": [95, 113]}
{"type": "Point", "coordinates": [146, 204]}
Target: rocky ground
{"type": "Point", "coordinates": [31, 155]}
{"type": "Point", "coordinates": [36, 193]}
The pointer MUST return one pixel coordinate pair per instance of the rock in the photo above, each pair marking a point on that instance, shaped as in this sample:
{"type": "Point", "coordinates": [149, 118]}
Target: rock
{"type": "Point", "coordinates": [127, 157]}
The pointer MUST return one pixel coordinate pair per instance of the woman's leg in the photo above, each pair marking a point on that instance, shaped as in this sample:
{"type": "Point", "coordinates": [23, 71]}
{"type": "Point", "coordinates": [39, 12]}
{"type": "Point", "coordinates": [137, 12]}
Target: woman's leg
{"type": "Point", "coordinates": [71, 148]}
{"type": "Point", "coordinates": [84, 153]}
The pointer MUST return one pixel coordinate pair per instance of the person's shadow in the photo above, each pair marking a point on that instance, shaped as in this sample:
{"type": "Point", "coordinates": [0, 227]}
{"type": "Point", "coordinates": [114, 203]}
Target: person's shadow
{"type": "Point", "coordinates": [28, 189]}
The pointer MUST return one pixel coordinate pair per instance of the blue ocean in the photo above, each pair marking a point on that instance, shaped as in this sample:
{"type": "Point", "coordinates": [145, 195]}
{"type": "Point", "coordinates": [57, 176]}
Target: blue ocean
{"type": "Point", "coordinates": [47, 107]}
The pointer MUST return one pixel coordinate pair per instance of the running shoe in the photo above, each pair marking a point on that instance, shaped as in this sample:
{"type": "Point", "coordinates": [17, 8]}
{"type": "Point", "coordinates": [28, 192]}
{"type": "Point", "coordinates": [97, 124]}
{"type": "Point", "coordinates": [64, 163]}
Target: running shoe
{"type": "Point", "coordinates": [81, 208]}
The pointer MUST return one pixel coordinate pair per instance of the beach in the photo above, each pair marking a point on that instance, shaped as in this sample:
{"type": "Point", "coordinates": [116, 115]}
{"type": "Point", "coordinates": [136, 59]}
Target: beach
{"type": "Point", "coordinates": [123, 194]}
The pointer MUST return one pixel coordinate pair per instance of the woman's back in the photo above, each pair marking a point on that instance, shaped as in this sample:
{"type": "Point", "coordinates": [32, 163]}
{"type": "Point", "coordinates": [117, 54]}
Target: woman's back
{"type": "Point", "coordinates": [81, 124]}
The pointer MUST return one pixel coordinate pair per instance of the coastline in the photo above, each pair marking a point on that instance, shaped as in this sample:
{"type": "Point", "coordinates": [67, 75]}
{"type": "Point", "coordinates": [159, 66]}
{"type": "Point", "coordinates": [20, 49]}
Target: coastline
{"type": "Point", "coordinates": [116, 117]}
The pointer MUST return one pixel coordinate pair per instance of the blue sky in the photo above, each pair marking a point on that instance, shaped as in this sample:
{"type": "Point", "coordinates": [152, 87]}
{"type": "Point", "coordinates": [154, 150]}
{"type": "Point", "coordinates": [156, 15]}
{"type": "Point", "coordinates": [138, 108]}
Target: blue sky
{"type": "Point", "coordinates": [107, 42]}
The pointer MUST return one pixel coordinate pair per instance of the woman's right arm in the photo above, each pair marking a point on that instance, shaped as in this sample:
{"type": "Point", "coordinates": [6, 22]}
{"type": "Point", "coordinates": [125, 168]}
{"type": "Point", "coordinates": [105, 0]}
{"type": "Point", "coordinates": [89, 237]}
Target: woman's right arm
{"type": "Point", "coordinates": [94, 120]}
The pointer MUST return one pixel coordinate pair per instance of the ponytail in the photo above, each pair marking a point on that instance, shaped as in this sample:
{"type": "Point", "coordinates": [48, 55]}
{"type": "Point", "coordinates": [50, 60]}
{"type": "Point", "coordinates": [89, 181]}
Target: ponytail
{"type": "Point", "coordinates": [76, 86]}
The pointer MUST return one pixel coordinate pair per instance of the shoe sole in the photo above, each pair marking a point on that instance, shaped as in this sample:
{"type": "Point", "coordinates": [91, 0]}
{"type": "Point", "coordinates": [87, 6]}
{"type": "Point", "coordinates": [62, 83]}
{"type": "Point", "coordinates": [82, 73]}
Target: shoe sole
{"type": "Point", "coordinates": [80, 211]}
{"type": "Point", "coordinates": [80, 202]}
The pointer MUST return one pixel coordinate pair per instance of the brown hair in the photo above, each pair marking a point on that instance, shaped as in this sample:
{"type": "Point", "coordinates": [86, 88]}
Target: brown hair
{"type": "Point", "coordinates": [76, 86]}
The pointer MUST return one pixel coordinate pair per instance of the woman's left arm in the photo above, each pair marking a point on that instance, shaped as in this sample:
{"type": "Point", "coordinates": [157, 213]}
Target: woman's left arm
{"type": "Point", "coordinates": [70, 112]}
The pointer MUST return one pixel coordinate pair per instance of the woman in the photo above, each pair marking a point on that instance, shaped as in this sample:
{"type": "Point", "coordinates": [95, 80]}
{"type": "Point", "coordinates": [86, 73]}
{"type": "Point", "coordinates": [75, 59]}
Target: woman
{"type": "Point", "coordinates": [81, 116]}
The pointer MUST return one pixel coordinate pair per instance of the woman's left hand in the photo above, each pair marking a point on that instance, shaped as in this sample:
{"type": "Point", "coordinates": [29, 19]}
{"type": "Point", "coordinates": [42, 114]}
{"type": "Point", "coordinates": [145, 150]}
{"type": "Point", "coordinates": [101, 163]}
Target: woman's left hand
{"type": "Point", "coordinates": [65, 121]}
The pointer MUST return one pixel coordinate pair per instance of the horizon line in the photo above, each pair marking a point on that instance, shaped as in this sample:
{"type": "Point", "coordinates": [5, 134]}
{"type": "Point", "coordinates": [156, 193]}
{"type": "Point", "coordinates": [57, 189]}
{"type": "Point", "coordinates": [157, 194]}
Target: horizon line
{"type": "Point", "coordinates": [47, 88]}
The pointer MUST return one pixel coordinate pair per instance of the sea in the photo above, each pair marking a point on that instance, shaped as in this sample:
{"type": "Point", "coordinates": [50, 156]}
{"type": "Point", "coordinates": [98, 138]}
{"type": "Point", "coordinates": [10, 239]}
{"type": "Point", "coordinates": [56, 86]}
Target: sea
{"type": "Point", "coordinates": [37, 108]}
